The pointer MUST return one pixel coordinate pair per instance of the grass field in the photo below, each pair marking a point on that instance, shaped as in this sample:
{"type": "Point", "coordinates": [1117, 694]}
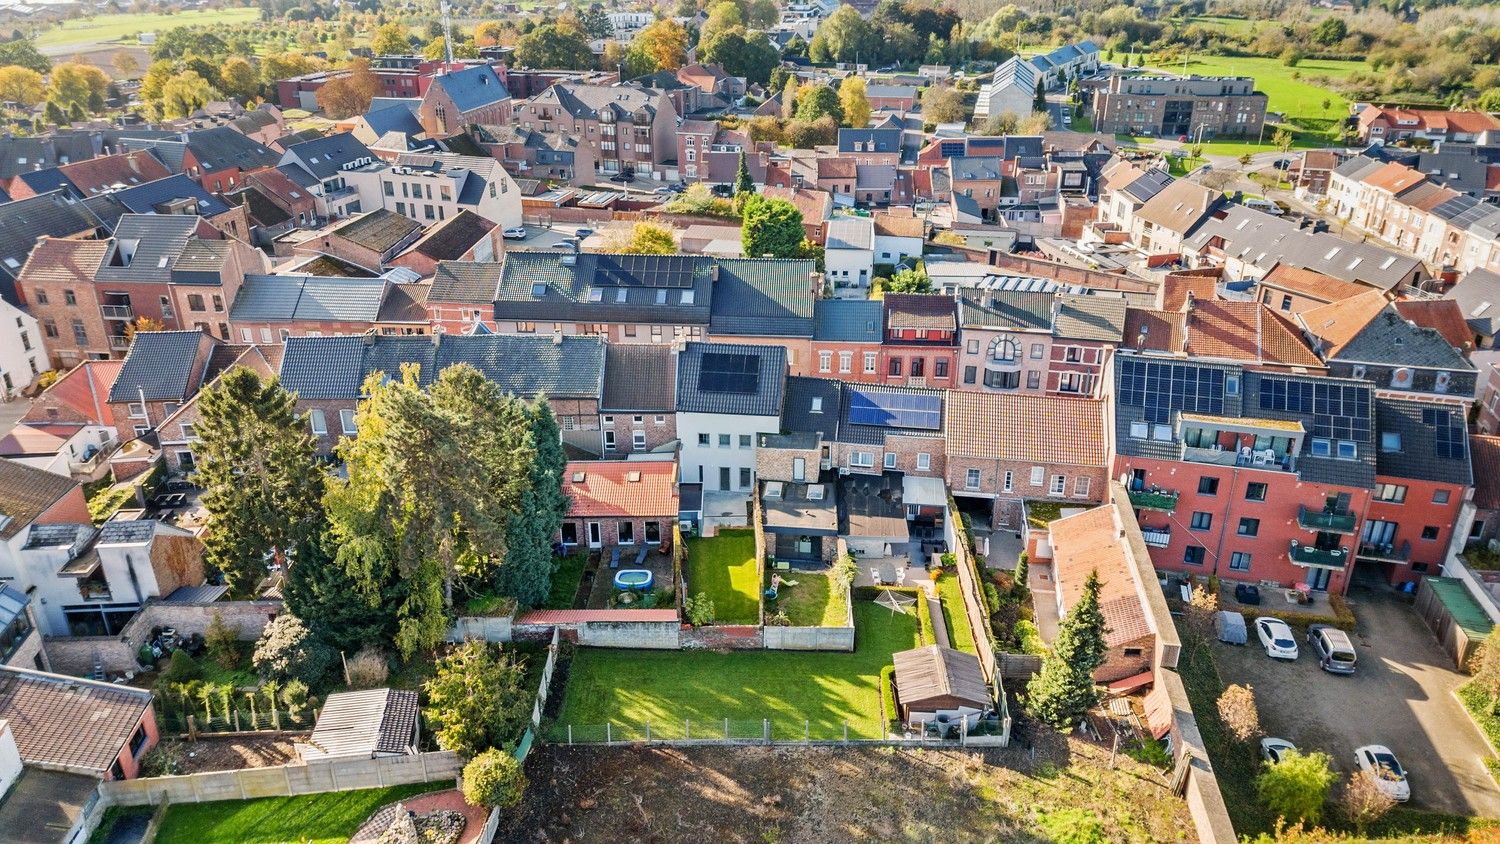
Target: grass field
{"type": "Point", "coordinates": [811, 603]}
{"type": "Point", "coordinates": [86, 32]}
{"type": "Point", "coordinates": [1298, 98]}
{"type": "Point", "coordinates": [723, 566]}
{"type": "Point", "coordinates": [565, 580]}
{"type": "Point", "coordinates": [628, 688]}
{"type": "Point", "coordinates": [313, 818]}
{"type": "Point", "coordinates": [960, 634]}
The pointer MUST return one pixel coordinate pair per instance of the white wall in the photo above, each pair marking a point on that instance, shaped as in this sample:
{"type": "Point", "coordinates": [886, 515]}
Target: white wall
{"type": "Point", "coordinates": [17, 361]}
{"type": "Point", "coordinates": [844, 265]}
{"type": "Point", "coordinates": [708, 459]}
{"type": "Point", "coordinates": [10, 759]}
{"type": "Point", "coordinates": [503, 209]}
{"type": "Point", "coordinates": [891, 250]}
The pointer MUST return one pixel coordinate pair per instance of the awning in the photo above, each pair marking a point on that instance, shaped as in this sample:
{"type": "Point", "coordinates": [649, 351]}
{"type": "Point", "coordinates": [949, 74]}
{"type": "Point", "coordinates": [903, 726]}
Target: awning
{"type": "Point", "coordinates": [924, 492]}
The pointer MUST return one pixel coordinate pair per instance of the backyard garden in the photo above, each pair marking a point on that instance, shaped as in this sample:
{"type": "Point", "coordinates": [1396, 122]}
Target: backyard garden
{"type": "Point", "coordinates": [328, 818]}
{"type": "Point", "coordinates": [723, 569]}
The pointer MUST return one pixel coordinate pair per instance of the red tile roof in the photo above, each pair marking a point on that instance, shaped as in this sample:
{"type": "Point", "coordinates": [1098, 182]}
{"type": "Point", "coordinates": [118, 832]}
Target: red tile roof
{"type": "Point", "coordinates": [1007, 426]}
{"type": "Point", "coordinates": [1444, 316]}
{"type": "Point", "coordinates": [1336, 323]}
{"type": "Point", "coordinates": [1394, 178]}
{"type": "Point", "coordinates": [1313, 284]}
{"type": "Point", "coordinates": [621, 488]}
{"type": "Point", "coordinates": [1090, 541]}
{"type": "Point", "coordinates": [1202, 283]}
{"type": "Point", "coordinates": [79, 396]}
{"type": "Point", "coordinates": [65, 721]}
{"type": "Point", "coordinates": [99, 174]}
{"type": "Point", "coordinates": [577, 616]}
{"type": "Point", "coordinates": [1245, 331]}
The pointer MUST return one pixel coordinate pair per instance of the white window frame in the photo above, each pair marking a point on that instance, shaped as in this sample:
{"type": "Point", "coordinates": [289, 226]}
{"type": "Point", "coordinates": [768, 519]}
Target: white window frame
{"type": "Point", "coordinates": [317, 422]}
{"type": "Point", "coordinates": [972, 479]}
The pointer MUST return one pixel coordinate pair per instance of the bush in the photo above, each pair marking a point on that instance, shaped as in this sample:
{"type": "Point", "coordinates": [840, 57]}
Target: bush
{"type": "Point", "coordinates": [1030, 638]}
{"type": "Point", "coordinates": [888, 693]}
{"type": "Point", "coordinates": [476, 700]}
{"type": "Point", "coordinates": [182, 668]}
{"type": "Point", "coordinates": [223, 643]}
{"type": "Point", "coordinates": [699, 609]}
{"type": "Point", "coordinates": [369, 668]}
{"type": "Point", "coordinates": [287, 650]}
{"type": "Point", "coordinates": [1296, 788]}
{"type": "Point", "coordinates": [163, 760]}
{"type": "Point", "coordinates": [494, 779]}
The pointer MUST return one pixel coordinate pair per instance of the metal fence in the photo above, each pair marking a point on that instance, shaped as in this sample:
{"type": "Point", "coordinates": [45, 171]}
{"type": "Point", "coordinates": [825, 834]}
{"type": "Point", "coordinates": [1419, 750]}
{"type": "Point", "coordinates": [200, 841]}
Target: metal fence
{"type": "Point", "coordinates": [523, 747]}
{"type": "Point", "coordinates": [774, 731]}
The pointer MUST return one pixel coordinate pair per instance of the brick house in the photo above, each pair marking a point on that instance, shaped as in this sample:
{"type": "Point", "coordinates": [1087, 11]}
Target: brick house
{"type": "Point", "coordinates": [846, 340]}
{"type": "Point", "coordinates": [920, 346]}
{"type": "Point", "coordinates": [766, 301]}
{"type": "Point", "coordinates": [816, 207]}
{"type": "Point", "coordinates": [628, 128]}
{"type": "Point", "coordinates": [619, 502]}
{"type": "Point", "coordinates": [59, 271]}
{"type": "Point", "coordinates": [1038, 342]}
{"type": "Point", "coordinates": [176, 434]}
{"type": "Point", "coordinates": [637, 411]}
{"type": "Point", "coordinates": [870, 146]}
{"type": "Point", "coordinates": [465, 237]}
{"type": "Point", "coordinates": [271, 308]}
{"type": "Point", "coordinates": [162, 370]}
{"type": "Point", "coordinates": [286, 194]}
{"type": "Point", "coordinates": [1091, 542]}
{"type": "Point", "coordinates": [43, 712]}
{"type": "Point", "coordinates": [218, 158]}
{"type": "Point", "coordinates": [459, 99]}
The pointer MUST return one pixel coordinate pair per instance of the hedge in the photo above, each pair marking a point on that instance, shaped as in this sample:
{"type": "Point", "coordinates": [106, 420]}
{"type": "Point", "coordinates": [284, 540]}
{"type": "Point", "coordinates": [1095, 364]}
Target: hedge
{"type": "Point", "coordinates": [888, 694]}
{"type": "Point", "coordinates": [1342, 617]}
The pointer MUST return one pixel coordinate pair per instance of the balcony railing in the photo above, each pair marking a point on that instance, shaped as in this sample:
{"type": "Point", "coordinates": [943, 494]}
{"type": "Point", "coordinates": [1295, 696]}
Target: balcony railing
{"type": "Point", "coordinates": [1216, 457]}
{"type": "Point", "coordinates": [1308, 555]}
{"type": "Point", "coordinates": [117, 311]}
{"type": "Point", "coordinates": [1326, 521]}
{"type": "Point", "coordinates": [1225, 457]}
{"type": "Point", "coordinates": [1157, 537]}
{"type": "Point", "coordinates": [119, 342]}
{"type": "Point", "coordinates": [1387, 552]}
{"type": "Point", "coordinates": [1153, 499]}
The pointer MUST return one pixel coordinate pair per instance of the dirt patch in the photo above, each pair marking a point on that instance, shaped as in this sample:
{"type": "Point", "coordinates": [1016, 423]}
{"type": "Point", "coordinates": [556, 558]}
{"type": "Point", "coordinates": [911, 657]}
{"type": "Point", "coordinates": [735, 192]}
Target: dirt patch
{"type": "Point", "coordinates": [760, 794]}
{"type": "Point", "coordinates": [232, 754]}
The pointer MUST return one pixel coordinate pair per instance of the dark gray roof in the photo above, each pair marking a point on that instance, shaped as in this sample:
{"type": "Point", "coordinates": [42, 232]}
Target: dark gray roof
{"type": "Point", "coordinates": [221, 148]}
{"type": "Point", "coordinates": [731, 378]}
{"type": "Point", "coordinates": [1148, 184]}
{"type": "Point", "coordinates": [1006, 309]}
{"type": "Point", "coordinates": [1261, 239]}
{"type": "Point", "coordinates": [159, 366]}
{"type": "Point", "coordinates": [335, 366]}
{"type": "Point", "coordinates": [870, 140]}
{"type": "Point", "coordinates": [466, 282]}
{"type": "Point", "coordinates": [1477, 295]}
{"type": "Point", "coordinates": [1389, 338]}
{"type": "Point", "coordinates": [763, 297]}
{"type": "Point", "coordinates": [51, 178]}
{"type": "Point", "coordinates": [147, 198]}
{"type": "Point", "coordinates": [848, 320]}
{"type": "Point", "coordinates": [58, 536]}
{"type": "Point", "coordinates": [811, 407]}
{"type": "Point", "coordinates": [23, 221]}
{"type": "Point", "coordinates": [148, 247]}
{"type": "Point", "coordinates": [276, 298]}
{"type": "Point", "coordinates": [975, 168]}
{"type": "Point", "coordinates": [639, 377]}
{"type": "Point", "coordinates": [1419, 456]}
{"type": "Point", "coordinates": [127, 531]}
{"type": "Point", "coordinates": [400, 117]}
{"type": "Point", "coordinates": [325, 157]}
{"type": "Point", "coordinates": [473, 87]}
{"type": "Point", "coordinates": [598, 287]}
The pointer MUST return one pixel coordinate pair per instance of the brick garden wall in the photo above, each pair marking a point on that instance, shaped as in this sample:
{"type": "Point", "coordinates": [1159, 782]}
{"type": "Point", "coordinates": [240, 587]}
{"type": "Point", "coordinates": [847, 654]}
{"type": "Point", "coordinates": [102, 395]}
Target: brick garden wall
{"type": "Point", "coordinates": [285, 780]}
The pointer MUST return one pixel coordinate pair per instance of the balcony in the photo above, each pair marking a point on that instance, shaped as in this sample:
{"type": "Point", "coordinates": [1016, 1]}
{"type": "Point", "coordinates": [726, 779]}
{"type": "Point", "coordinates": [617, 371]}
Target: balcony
{"type": "Point", "coordinates": [1225, 457]}
{"type": "Point", "coordinates": [1388, 552]}
{"type": "Point", "coordinates": [1157, 537]}
{"type": "Point", "coordinates": [1308, 555]}
{"type": "Point", "coordinates": [1323, 520]}
{"type": "Point", "coordinates": [117, 312]}
{"type": "Point", "coordinates": [1153, 499]}
{"type": "Point", "coordinates": [118, 342]}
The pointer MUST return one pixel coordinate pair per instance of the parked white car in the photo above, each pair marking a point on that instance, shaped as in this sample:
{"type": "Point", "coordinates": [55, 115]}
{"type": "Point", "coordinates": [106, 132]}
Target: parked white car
{"type": "Point", "coordinates": [1378, 759]}
{"type": "Point", "coordinates": [1273, 749]}
{"type": "Point", "coordinates": [1276, 637]}
{"type": "Point", "coordinates": [515, 233]}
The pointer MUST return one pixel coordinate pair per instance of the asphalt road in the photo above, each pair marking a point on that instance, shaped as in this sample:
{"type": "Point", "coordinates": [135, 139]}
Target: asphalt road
{"type": "Point", "coordinates": [1401, 696]}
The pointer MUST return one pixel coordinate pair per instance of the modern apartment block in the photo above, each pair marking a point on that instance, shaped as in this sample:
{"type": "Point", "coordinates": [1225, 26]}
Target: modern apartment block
{"type": "Point", "coordinates": [1172, 106]}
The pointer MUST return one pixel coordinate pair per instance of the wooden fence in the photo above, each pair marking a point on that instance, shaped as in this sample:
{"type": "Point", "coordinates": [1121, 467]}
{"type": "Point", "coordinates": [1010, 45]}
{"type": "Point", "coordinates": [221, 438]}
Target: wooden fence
{"type": "Point", "coordinates": [285, 780]}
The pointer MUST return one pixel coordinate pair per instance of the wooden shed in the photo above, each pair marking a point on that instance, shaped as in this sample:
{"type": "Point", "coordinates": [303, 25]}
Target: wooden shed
{"type": "Point", "coordinates": [1458, 620]}
{"type": "Point", "coordinates": [932, 681]}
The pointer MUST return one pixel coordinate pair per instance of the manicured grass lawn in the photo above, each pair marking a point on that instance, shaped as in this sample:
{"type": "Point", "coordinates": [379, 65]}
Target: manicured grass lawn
{"type": "Point", "coordinates": [84, 32]}
{"type": "Point", "coordinates": [1298, 98]}
{"type": "Point", "coordinates": [811, 603]}
{"type": "Point", "coordinates": [565, 581]}
{"type": "Point", "coordinates": [313, 818]}
{"type": "Point", "coordinates": [723, 566]}
{"type": "Point", "coordinates": [960, 634]}
{"type": "Point", "coordinates": [627, 688]}
{"type": "Point", "coordinates": [1184, 165]}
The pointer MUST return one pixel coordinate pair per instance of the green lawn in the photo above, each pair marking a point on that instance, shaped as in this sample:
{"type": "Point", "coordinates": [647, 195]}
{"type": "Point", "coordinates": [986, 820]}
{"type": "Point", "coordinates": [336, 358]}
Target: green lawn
{"type": "Point", "coordinates": [313, 818]}
{"type": "Point", "coordinates": [628, 688]}
{"type": "Point", "coordinates": [1181, 166]}
{"type": "Point", "coordinates": [565, 580]}
{"type": "Point", "coordinates": [1299, 98]}
{"type": "Point", "coordinates": [811, 603]}
{"type": "Point", "coordinates": [723, 566]}
{"type": "Point", "coordinates": [86, 32]}
{"type": "Point", "coordinates": [960, 634]}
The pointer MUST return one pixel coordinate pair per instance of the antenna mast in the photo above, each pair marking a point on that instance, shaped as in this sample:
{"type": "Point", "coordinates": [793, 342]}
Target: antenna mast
{"type": "Point", "coordinates": [447, 35]}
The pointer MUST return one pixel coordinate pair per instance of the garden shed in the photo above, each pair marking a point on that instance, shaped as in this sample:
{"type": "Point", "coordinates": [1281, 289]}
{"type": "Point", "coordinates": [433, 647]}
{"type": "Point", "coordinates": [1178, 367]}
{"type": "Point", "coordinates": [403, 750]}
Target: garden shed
{"type": "Point", "coordinates": [364, 725]}
{"type": "Point", "coordinates": [933, 682]}
{"type": "Point", "coordinates": [1453, 614]}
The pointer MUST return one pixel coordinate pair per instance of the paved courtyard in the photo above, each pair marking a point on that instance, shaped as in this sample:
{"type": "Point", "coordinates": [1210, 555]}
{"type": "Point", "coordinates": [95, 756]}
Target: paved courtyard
{"type": "Point", "coordinates": [1401, 696]}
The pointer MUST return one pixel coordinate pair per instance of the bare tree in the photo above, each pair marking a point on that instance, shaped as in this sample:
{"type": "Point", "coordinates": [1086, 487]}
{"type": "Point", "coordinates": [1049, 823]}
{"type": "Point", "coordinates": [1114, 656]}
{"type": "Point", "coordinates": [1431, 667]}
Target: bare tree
{"type": "Point", "coordinates": [1237, 711]}
{"type": "Point", "coordinates": [1200, 612]}
{"type": "Point", "coordinates": [1365, 801]}
{"type": "Point", "coordinates": [1485, 666]}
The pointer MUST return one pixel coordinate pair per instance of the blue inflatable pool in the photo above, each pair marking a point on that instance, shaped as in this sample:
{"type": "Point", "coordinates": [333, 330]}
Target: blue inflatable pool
{"type": "Point", "coordinates": [634, 579]}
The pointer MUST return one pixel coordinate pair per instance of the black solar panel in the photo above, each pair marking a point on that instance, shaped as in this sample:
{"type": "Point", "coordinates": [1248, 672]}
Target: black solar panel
{"type": "Point", "coordinates": [1339, 411]}
{"type": "Point", "coordinates": [724, 372]}
{"type": "Point", "coordinates": [1162, 388]}
{"type": "Point", "coordinates": [896, 410]}
{"type": "Point", "coordinates": [1449, 435]}
{"type": "Point", "coordinates": [644, 270]}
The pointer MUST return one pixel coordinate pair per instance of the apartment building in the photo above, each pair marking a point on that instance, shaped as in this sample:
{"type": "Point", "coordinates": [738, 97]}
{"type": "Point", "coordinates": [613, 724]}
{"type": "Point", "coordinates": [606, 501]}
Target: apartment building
{"type": "Point", "coordinates": [1036, 342]}
{"type": "Point", "coordinates": [433, 187]}
{"type": "Point", "coordinates": [1172, 106]}
{"type": "Point", "coordinates": [322, 167]}
{"type": "Point", "coordinates": [628, 128]}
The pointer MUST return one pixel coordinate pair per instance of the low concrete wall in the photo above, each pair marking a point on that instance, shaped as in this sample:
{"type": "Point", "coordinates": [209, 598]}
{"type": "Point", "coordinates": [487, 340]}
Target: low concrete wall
{"type": "Point", "coordinates": [285, 780]}
{"type": "Point", "coordinates": [657, 635]}
{"type": "Point", "coordinates": [76, 655]}
{"type": "Point", "coordinates": [809, 638]}
{"type": "Point", "coordinates": [1201, 787]}
{"type": "Point", "coordinates": [734, 637]}
{"type": "Point", "coordinates": [488, 628]}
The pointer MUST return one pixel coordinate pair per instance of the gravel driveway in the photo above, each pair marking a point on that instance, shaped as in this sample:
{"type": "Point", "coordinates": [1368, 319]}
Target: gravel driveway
{"type": "Point", "coordinates": [1402, 697]}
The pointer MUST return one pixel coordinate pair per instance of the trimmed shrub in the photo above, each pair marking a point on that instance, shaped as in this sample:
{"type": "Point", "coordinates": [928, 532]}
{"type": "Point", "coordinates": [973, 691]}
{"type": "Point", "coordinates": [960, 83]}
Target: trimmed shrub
{"type": "Point", "coordinates": [494, 779]}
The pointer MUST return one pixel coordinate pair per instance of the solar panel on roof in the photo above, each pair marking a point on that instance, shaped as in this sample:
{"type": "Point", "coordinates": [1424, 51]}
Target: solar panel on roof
{"type": "Point", "coordinates": [1449, 437]}
{"type": "Point", "coordinates": [896, 410]}
{"type": "Point", "coordinates": [725, 372]}
{"type": "Point", "coordinates": [1339, 411]}
{"type": "Point", "coordinates": [1163, 388]}
{"type": "Point", "coordinates": [644, 270]}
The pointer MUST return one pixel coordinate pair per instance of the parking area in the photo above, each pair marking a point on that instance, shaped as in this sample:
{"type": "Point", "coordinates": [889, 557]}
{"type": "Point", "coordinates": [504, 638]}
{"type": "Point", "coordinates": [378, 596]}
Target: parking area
{"type": "Point", "coordinates": [1401, 696]}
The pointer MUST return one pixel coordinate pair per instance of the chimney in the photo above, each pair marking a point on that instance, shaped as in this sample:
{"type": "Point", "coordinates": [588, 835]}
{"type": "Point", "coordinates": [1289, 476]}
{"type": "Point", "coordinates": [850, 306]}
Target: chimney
{"type": "Point", "coordinates": [557, 338]}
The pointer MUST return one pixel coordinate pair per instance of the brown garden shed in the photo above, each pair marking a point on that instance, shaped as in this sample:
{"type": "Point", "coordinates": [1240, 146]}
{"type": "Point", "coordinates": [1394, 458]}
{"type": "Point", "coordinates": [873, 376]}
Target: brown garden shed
{"type": "Point", "coordinates": [1453, 614]}
{"type": "Point", "coordinates": [934, 680]}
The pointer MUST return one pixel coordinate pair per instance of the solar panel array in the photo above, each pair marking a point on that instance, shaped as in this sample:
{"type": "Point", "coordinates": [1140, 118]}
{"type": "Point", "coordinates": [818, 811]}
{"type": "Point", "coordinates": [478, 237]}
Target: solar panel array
{"type": "Point", "coordinates": [1339, 411]}
{"type": "Point", "coordinates": [896, 410]}
{"type": "Point", "coordinates": [724, 372]}
{"type": "Point", "coordinates": [1162, 388]}
{"type": "Point", "coordinates": [644, 270]}
{"type": "Point", "coordinates": [1449, 434]}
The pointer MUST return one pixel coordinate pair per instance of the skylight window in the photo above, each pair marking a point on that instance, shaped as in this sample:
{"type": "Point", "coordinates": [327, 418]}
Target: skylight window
{"type": "Point", "coordinates": [596, 295]}
{"type": "Point", "coordinates": [661, 297]}
{"type": "Point", "coordinates": [1332, 252]}
{"type": "Point", "coordinates": [620, 295]}
{"type": "Point", "coordinates": [1354, 263]}
{"type": "Point", "coordinates": [538, 290]}
{"type": "Point", "coordinates": [687, 297]}
{"type": "Point", "coordinates": [1386, 264]}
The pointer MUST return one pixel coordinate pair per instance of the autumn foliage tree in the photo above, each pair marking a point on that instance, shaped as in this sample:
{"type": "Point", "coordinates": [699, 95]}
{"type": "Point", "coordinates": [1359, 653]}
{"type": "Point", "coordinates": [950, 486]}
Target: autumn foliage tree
{"type": "Point", "coordinates": [20, 85]}
{"type": "Point", "coordinates": [351, 94]}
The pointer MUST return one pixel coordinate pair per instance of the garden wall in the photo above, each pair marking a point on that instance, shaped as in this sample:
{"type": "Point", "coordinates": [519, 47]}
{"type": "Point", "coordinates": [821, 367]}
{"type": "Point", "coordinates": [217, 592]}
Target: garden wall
{"type": "Point", "coordinates": [743, 637]}
{"type": "Point", "coordinates": [488, 628]}
{"type": "Point", "coordinates": [285, 780]}
{"type": "Point", "coordinates": [809, 638]}
{"type": "Point", "coordinates": [77, 654]}
{"type": "Point", "coordinates": [659, 635]}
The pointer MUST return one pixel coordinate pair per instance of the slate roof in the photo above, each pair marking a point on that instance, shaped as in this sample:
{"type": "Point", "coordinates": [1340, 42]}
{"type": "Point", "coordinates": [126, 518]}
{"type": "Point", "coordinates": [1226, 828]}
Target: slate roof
{"type": "Point", "coordinates": [1089, 318]}
{"type": "Point", "coordinates": [1477, 295]}
{"type": "Point", "coordinates": [25, 220]}
{"type": "Point", "coordinates": [639, 377]}
{"type": "Point", "coordinates": [620, 488]}
{"type": "Point", "coordinates": [159, 366]}
{"type": "Point", "coordinates": [221, 148]}
{"type": "Point", "coordinates": [154, 244]}
{"type": "Point", "coordinates": [870, 140]}
{"type": "Point", "coordinates": [1009, 310]}
{"type": "Point", "coordinates": [812, 406]}
{"type": "Point", "coordinates": [287, 298]}
{"type": "Point", "coordinates": [326, 157]}
{"type": "Point", "coordinates": [67, 721]}
{"type": "Point", "coordinates": [1263, 240]}
{"type": "Point", "coordinates": [761, 297]}
{"type": "Point", "coordinates": [601, 287]}
{"type": "Point", "coordinates": [25, 493]}
{"type": "Point", "coordinates": [850, 233]}
{"type": "Point", "coordinates": [848, 320]}
{"type": "Point", "coordinates": [400, 117]}
{"type": "Point", "coordinates": [967, 168]}
{"type": "Point", "coordinates": [335, 366]}
{"type": "Point", "coordinates": [1180, 206]}
{"type": "Point", "coordinates": [758, 391]}
{"type": "Point", "coordinates": [147, 198]}
{"type": "Point", "coordinates": [1419, 456]}
{"type": "Point", "coordinates": [48, 179]}
{"type": "Point", "coordinates": [466, 282]}
{"type": "Point", "coordinates": [1390, 339]}
{"type": "Point", "coordinates": [473, 87]}
{"type": "Point", "coordinates": [1021, 427]}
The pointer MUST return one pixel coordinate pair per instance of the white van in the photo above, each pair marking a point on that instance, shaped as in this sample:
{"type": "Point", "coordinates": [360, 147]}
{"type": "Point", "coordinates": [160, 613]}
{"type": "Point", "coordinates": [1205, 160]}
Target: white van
{"type": "Point", "coordinates": [1332, 646]}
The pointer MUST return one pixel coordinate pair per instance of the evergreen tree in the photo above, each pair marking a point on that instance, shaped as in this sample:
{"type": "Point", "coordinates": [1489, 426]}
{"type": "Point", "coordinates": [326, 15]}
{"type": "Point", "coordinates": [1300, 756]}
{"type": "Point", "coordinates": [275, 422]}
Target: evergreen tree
{"type": "Point", "coordinates": [529, 561]}
{"type": "Point", "coordinates": [743, 184]}
{"type": "Point", "coordinates": [335, 609]}
{"type": "Point", "coordinates": [1040, 102]}
{"type": "Point", "coordinates": [262, 486]}
{"type": "Point", "coordinates": [771, 227]}
{"type": "Point", "coordinates": [1064, 691]}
